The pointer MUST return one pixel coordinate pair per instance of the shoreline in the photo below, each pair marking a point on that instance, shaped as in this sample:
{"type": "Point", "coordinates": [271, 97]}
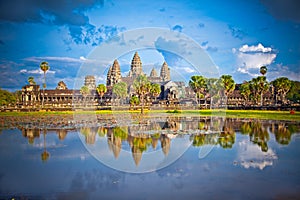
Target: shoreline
{"type": "Point", "coordinates": [250, 114]}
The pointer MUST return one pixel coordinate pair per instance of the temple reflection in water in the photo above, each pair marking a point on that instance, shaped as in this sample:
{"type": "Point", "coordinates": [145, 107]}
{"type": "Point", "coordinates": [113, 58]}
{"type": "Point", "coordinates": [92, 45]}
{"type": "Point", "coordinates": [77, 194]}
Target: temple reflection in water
{"type": "Point", "coordinates": [156, 134]}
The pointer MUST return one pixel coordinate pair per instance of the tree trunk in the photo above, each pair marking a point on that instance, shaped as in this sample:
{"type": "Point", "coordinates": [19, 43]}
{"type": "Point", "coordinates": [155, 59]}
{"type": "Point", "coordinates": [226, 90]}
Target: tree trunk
{"type": "Point", "coordinates": [142, 101]}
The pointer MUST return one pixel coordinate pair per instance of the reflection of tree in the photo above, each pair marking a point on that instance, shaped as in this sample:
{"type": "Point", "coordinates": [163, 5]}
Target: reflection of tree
{"type": "Point", "coordinates": [259, 135]}
{"type": "Point", "coordinates": [246, 128]}
{"type": "Point", "coordinates": [102, 131]}
{"type": "Point", "coordinates": [226, 139]}
{"type": "Point", "coordinates": [282, 134]}
{"type": "Point", "coordinates": [89, 133]}
{"type": "Point", "coordinates": [45, 155]}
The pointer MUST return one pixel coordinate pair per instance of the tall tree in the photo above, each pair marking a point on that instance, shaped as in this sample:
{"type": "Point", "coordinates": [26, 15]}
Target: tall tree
{"type": "Point", "coordinates": [282, 86]}
{"type": "Point", "coordinates": [44, 67]}
{"type": "Point", "coordinates": [142, 87]}
{"type": "Point", "coordinates": [85, 91]}
{"type": "Point", "coordinates": [101, 89]}
{"type": "Point", "coordinates": [134, 101]}
{"type": "Point", "coordinates": [120, 90]}
{"type": "Point", "coordinates": [199, 86]}
{"type": "Point", "coordinates": [263, 70]}
{"type": "Point", "coordinates": [245, 91]}
{"type": "Point", "coordinates": [294, 93]}
{"type": "Point", "coordinates": [214, 88]}
{"type": "Point", "coordinates": [155, 90]}
{"type": "Point", "coordinates": [31, 80]}
{"type": "Point", "coordinates": [228, 84]}
{"type": "Point", "coordinates": [258, 87]}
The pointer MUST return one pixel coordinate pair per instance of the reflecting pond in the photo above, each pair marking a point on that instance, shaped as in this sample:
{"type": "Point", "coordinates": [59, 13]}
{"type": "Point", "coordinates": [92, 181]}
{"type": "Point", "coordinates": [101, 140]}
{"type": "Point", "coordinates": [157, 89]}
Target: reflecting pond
{"type": "Point", "coordinates": [169, 156]}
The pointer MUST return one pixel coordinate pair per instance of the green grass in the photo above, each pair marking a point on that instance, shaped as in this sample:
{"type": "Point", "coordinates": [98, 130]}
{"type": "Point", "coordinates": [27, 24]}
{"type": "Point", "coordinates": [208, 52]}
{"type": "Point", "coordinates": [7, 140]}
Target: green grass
{"type": "Point", "coordinates": [258, 114]}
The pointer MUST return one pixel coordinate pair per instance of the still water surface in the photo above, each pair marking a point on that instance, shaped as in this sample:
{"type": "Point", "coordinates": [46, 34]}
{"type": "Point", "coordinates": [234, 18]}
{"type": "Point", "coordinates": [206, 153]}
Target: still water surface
{"type": "Point", "coordinates": [221, 158]}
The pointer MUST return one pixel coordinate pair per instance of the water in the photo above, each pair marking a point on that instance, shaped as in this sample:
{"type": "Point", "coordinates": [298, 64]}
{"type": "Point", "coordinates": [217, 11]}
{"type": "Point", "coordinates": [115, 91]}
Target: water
{"type": "Point", "coordinates": [218, 158]}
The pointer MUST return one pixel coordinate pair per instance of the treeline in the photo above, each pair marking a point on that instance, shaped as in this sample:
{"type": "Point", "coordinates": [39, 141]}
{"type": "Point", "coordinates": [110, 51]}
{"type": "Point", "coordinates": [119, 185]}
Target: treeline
{"type": "Point", "coordinates": [281, 88]}
{"type": "Point", "coordinates": [9, 98]}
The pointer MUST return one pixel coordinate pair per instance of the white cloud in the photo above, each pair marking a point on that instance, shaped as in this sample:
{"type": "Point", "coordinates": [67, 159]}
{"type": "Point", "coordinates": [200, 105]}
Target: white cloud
{"type": "Point", "coordinates": [36, 71]}
{"type": "Point", "coordinates": [251, 58]}
{"type": "Point", "coordinates": [259, 48]}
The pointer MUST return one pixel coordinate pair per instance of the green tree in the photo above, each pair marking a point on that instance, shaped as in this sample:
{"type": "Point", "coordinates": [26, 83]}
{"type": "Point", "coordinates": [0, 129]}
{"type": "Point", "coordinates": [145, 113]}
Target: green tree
{"type": "Point", "coordinates": [134, 101]}
{"type": "Point", "coordinates": [258, 87]}
{"type": "Point", "coordinates": [44, 66]}
{"type": "Point", "coordinates": [245, 91]}
{"type": "Point", "coordinates": [101, 89]}
{"type": "Point", "coordinates": [155, 90]}
{"type": "Point", "coordinates": [6, 98]}
{"type": "Point", "coordinates": [228, 84]}
{"type": "Point", "coordinates": [85, 91]}
{"type": "Point", "coordinates": [263, 70]}
{"type": "Point", "coordinates": [120, 90]}
{"type": "Point", "coordinates": [142, 87]}
{"type": "Point", "coordinates": [31, 80]}
{"type": "Point", "coordinates": [294, 93]}
{"type": "Point", "coordinates": [214, 88]}
{"type": "Point", "coordinates": [199, 86]}
{"type": "Point", "coordinates": [282, 86]}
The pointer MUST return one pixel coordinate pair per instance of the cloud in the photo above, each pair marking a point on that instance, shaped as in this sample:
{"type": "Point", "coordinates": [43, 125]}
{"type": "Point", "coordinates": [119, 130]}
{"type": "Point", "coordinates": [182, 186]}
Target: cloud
{"type": "Point", "coordinates": [65, 14]}
{"type": "Point", "coordinates": [251, 58]}
{"type": "Point", "coordinates": [259, 48]}
{"type": "Point", "coordinates": [177, 28]}
{"type": "Point", "coordinates": [201, 25]}
{"type": "Point", "coordinates": [236, 32]}
{"type": "Point", "coordinates": [280, 70]}
{"type": "Point", "coordinates": [36, 71]}
{"type": "Point", "coordinates": [283, 10]}
{"type": "Point", "coordinates": [205, 46]}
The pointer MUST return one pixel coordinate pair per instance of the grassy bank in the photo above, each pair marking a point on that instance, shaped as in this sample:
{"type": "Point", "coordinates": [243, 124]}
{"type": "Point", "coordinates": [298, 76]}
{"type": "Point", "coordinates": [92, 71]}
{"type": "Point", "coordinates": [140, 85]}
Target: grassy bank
{"type": "Point", "coordinates": [274, 115]}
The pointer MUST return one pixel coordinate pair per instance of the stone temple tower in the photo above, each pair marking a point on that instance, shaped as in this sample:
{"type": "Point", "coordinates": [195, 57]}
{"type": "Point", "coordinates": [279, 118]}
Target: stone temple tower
{"type": "Point", "coordinates": [136, 66]}
{"type": "Point", "coordinates": [165, 72]}
{"type": "Point", "coordinates": [114, 74]}
{"type": "Point", "coordinates": [90, 82]}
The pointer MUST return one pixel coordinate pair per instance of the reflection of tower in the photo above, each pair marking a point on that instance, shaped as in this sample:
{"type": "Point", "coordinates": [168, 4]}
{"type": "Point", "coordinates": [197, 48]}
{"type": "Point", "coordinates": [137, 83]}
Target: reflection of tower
{"type": "Point", "coordinates": [136, 66]}
{"type": "Point", "coordinates": [165, 72]}
{"type": "Point", "coordinates": [154, 142]}
{"type": "Point", "coordinates": [90, 135]}
{"type": "Point", "coordinates": [114, 144]}
{"type": "Point", "coordinates": [165, 144]}
{"type": "Point", "coordinates": [62, 134]}
{"type": "Point", "coordinates": [136, 154]}
{"type": "Point", "coordinates": [31, 133]}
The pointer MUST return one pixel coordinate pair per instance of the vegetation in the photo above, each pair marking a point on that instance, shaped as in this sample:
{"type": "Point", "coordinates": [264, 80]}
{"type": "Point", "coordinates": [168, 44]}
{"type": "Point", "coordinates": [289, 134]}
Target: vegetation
{"type": "Point", "coordinates": [294, 92]}
{"type": "Point", "coordinates": [31, 80]}
{"type": "Point", "coordinates": [155, 90]}
{"type": "Point", "coordinates": [44, 66]}
{"type": "Point", "coordinates": [7, 98]}
{"type": "Point", "coordinates": [142, 87]}
{"type": "Point", "coordinates": [120, 90]}
{"type": "Point", "coordinates": [101, 89]}
{"type": "Point", "coordinates": [199, 85]}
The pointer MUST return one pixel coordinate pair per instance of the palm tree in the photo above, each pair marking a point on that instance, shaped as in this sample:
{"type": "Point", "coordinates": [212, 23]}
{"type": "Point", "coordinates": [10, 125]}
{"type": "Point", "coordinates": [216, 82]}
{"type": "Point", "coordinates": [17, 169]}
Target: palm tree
{"type": "Point", "coordinates": [245, 91]}
{"type": "Point", "coordinates": [259, 86]}
{"type": "Point", "coordinates": [155, 90]}
{"type": "Point", "coordinates": [44, 67]}
{"type": "Point", "coordinates": [282, 86]}
{"type": "Point", "coordinates": [120, 89]}
{"type": "Point", "coordinates": [85, 91]}
{"type": "Point", "coordinates": [142, 87]}
{"type": "Point", "coordinates": [228, 84]}
{"type": "Point", "coordinates": [134, 101]}
{"type": "Point", "coordinates": [31, 80]}
{"type": "Point", "coordinates": [263, 70]}
{"type": "Point", "coordinates": [214, 87]}
{"type": "Point", "coordinates": [101, 89]}
{"type": "Point", "coordinates": [199, 85]}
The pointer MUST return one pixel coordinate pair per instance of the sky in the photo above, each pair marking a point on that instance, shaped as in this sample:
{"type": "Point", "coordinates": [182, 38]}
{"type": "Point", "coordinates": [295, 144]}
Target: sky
{"type": "Point", "coordinates": [238, 36]}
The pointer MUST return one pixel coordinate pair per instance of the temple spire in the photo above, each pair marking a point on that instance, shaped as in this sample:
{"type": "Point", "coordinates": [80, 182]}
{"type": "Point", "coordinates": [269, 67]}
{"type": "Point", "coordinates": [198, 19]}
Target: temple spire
{"type": "Point", "coordinates": [136, 66]}
{"type": "Point", "coordinates": [165, 72]}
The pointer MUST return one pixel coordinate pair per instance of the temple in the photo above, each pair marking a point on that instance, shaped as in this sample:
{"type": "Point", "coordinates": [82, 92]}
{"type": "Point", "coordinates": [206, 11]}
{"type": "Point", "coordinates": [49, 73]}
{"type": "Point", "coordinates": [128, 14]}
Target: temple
{"type": "Point", "coordinates": [172, 92]}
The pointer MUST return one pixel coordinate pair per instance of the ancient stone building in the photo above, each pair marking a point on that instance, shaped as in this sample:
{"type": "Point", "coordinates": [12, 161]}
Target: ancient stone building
{"type": "Point", "coordinates": [90, 82]}
{"type": "Point", "coordinates": [136, 66]}
{"type": "Point", "coordinates": [61, 86]}
{"type": "Point", "coordinates": [114, 74]}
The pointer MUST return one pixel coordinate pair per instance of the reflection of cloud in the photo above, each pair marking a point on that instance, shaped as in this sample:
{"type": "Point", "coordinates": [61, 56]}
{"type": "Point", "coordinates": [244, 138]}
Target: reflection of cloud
{"type": "Point", "coordinates": [250, 156]}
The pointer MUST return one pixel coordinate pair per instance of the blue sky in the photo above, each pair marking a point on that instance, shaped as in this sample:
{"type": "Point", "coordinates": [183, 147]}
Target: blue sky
{"type": "Point", "coordinates": [238, 36]}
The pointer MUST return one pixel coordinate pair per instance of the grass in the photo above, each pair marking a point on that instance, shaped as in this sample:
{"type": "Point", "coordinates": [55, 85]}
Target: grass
{"type": "Point", "coordinates": [258, 114]}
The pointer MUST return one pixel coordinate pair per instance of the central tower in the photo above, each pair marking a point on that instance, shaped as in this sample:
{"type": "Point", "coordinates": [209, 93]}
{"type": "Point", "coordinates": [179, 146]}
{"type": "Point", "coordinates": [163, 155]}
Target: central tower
{"type": "Point", "coordinates": [136, 66]}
